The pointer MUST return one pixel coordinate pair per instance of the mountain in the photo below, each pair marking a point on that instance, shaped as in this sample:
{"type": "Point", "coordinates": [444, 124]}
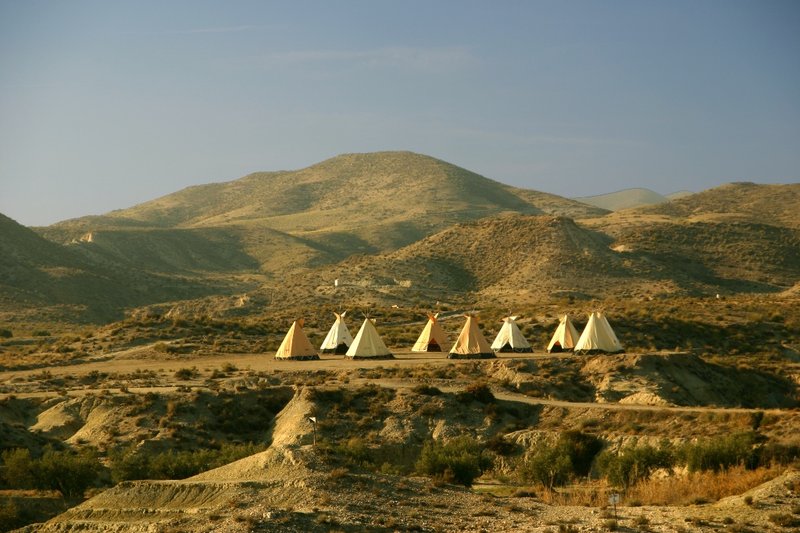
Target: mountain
{"type": "Point", "coordinates": [742, 202]}
{"type": "Point", "coordinates": [397, 226]}
{"type": "Point", "coordinates": [522, 258]}
{"type": "Point", "coordinates": [624, 199]}
{"type": "Point", "coordinates": [353, 203]}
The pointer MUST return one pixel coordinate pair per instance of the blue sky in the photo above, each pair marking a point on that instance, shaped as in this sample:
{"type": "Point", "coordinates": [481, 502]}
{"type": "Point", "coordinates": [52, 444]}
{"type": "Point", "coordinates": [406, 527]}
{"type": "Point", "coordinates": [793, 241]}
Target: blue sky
{"type": "Point", "coordinates": [105, 104]}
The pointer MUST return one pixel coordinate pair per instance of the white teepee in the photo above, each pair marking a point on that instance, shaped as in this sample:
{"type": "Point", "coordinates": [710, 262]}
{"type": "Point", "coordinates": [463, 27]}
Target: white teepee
{"type": "Point", "coordinates": [368, 344]}
{"type": "Point", "coordinates": [598, 337]}
{"type": "Point", "coordinates": [338, 339]}
{"type": "Point", "coordinates": [295, 344]}
{"type": "Point", "coordinates": [565, 337]}
{"type": "Point", "coordinates": [470, 343]}
{"type": "Point", "coordinates": [510, 339]}
{"type": "Point", "coordinates": [433, 338]}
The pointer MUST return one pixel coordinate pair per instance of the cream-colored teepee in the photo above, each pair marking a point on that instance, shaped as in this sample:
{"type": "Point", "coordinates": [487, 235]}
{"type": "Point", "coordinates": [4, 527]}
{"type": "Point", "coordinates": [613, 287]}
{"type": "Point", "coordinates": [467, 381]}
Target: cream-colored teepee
{"type": "Point", "coordinates": [598, 337]}
{"type": "Point", "coordinates": [368, 344]}
{"type": "Point", "coordinates": [338, 339]}
{"type": "Point", "coordinates": [295, 344]}
{"type": "Point", "coordinates": [433, 338]}
{"type": "Point", "coordinates": [470, 343]}
{"type": "Point", "coordinates": [565, 337]}
{"type": "Point", "coordinates": [510, 339]}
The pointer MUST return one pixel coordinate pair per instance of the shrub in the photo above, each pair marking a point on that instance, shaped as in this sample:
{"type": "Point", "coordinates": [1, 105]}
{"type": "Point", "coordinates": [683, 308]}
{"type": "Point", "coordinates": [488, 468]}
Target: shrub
{"type": "Point", "coordinates": [550, 466]}
{"type": "Point", "coordinates": [427, 390]}
{"type": "Point", "coordinates": [721, 454]}
{"type": "Point", "coordinates": [67, 472]}
{"type": "Point", "coordinates": [478, 391]}
{"type": "Point", "coordinates": [784, 520]}
{"type": "Point", "coordinates": [186, 373]}
{"type": "Point", "coordinates": [18, 469]}
{"type": "Point", "coordinates": [460, 460]}
{"type": "Point", "coordinates": [570, 456]}
{"type": "Point", "coordinates": [130, 463]}
{"type": "Point", "coordinates": [633, 463]}
{"type": "Point", "coordinates": [6, 333]}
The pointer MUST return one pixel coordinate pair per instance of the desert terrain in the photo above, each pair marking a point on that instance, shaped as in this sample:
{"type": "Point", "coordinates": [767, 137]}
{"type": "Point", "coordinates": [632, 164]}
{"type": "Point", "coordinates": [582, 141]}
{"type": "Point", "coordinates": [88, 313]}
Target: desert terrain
{"type": "Point", "coordinates": [139, 392]}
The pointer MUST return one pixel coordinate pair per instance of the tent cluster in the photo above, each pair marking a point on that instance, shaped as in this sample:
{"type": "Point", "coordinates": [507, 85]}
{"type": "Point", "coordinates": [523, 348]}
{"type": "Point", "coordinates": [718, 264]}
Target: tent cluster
{"type": "Point", "coordinates": [367, 344]}
{"type": "Point", "coordinates": [597, 337]}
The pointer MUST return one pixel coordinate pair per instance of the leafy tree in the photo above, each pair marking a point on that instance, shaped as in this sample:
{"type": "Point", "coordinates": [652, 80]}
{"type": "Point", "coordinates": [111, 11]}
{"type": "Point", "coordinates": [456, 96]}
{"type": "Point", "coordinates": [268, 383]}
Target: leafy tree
{"type": "Point", "coordinates": [722, 453]}
{"type": "Point", "coordinates": [67, 472]}
{"type": "Point", "coordinates": [571, 455]}
{"type": "Point", "coordinates": [633, 463]}
{"type": "Point", "coordinates": [460, 460]}
{"type": "Point", "coordinates": [18, 470]}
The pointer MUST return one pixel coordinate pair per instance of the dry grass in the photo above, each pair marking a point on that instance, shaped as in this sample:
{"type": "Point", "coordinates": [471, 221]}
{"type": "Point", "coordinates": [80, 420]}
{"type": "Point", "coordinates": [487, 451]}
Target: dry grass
{"type": "Point", "coordinates": [700, 487]}
{"type": "Point", "coordinates": [590, 494]}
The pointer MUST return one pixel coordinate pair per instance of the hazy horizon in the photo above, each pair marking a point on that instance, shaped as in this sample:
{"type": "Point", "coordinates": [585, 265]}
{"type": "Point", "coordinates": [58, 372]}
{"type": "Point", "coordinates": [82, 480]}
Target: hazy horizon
{"type": "Point", "coordinates": [104, 106]}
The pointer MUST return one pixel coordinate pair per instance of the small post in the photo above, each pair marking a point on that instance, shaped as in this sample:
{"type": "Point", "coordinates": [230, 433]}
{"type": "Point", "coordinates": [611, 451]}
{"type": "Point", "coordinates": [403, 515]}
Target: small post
{"type": "Point", "coordinates": [313, 420]}
{"type": "Point", "coordinates": [614, 500]}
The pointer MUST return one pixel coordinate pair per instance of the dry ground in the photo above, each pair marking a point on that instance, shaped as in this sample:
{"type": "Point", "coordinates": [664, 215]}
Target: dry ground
{"type": "Point", "coordinates": [291, 487]}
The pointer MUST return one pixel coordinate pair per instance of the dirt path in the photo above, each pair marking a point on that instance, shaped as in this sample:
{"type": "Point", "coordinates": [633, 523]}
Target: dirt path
{"type": "Point", "coordinates": [134, 360]}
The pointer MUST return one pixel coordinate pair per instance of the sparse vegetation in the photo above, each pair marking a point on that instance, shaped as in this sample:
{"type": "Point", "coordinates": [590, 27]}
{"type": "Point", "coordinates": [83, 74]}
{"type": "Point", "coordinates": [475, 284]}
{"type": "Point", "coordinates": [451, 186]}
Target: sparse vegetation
{"type": "Point", "coordinates": [460, 460]}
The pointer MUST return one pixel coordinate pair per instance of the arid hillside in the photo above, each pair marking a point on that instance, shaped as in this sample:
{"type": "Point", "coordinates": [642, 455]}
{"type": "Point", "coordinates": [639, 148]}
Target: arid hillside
{"type": "Point", "coordinates": [625, 199]}
{"type": "Point", "coordinates": [355, 203]}
{"type": "Point", "coordinates": [733, 202]}
{"type": "Point", "coordinates": [397, 228]}
{"type": "Point", "coordinates": [517, 259]}
{"type": "Point", "coordinates": [40, 278]}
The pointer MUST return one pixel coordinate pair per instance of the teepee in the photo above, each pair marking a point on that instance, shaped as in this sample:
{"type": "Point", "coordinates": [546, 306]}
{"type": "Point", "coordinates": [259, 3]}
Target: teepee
{"type": "Point", "coordinates": [598, 337]}
{"type": "Point", "coordinates": [510, 339]}
{"type": "Point", "coordinates": [470, 343]}
{"type": "Point", "coordinates": [433, 338]}
{"type": "Point", "coordinates": [295, 344]}
{"type": "Point", "coordinates": [565, 337]}
{"type": "Point", "coordinates": [338, 339]}
{"type": "Point", "coordinates": [368, 344]}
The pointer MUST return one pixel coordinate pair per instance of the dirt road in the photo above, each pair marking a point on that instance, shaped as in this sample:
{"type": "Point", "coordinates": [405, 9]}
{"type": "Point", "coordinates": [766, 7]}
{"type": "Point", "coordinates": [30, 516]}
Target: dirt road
{"type": "Point", "coordinates": [142, 360]}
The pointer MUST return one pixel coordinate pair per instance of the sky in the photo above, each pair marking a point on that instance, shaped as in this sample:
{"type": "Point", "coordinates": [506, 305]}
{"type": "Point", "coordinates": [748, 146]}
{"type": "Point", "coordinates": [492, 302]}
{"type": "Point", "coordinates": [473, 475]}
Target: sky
{"type": "Point", "coordinates": [106, 104]}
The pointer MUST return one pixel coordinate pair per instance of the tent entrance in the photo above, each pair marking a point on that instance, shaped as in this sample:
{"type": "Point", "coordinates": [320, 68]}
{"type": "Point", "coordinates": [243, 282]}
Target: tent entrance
{"type": "Point", "coordinates": [433, 346]}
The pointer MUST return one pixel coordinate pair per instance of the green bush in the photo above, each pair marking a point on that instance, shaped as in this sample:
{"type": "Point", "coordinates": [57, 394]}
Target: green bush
{"type": "Point", "coordinates": [68, 472]}
{"type": "Point", "coordinates": [478, 391]}
{"type": "Point", "coordinates": [130, 463]}
{"type": "Point", "coordinates": [460, 460]}
{"type": "Point", "coordinates": [6, 333]}
{"type": "Point", "coordinates": [570, 456]}
{"type": "Point", "coordinates": [633, 463]}
{"type": "Point", "coordinates": [550, 465]}
{"type": "Point", "coordinates": [18, 470]}
{"type": "Point", "coordinates": [722, 453]}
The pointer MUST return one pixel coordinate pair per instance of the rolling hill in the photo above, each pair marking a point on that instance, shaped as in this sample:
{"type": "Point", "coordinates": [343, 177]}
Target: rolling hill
{"type": "Point", "coordinates": [625, 199]}
{"type": "Point", "coordinates": [523, 258]}
{"type": "Point", "coordinates": [395, 225]}
{"type": "Point", "coordinates": [45, 278]}
{"type": "Point", "coordinates": [776, 205]}
{"type": "Point", "coordinates": [354, 203]}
